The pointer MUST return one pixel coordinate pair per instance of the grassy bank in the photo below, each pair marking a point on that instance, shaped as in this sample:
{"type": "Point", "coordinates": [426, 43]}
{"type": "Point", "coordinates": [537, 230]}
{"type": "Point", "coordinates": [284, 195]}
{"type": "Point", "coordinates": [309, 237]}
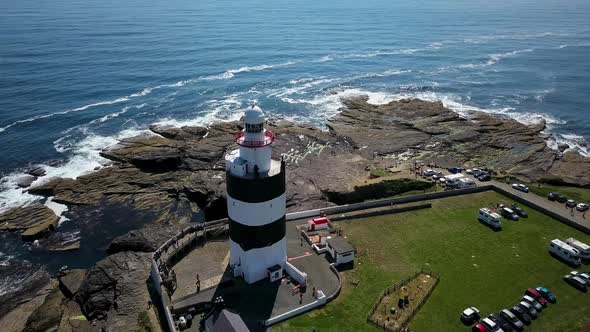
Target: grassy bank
{"type": "Point", "coordinates": [478, 267]}
{"type": "Point", "coordinates": [581, 195]}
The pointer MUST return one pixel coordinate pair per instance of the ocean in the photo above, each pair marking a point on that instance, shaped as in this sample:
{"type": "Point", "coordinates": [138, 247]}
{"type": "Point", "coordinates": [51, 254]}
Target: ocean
{"type": "Point", "coordinates": [76, 76]}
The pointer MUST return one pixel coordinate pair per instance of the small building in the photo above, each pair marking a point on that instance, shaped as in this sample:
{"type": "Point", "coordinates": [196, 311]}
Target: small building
{"type": "Point", "coordinates": [225, 321]}
{"type": "Point", "coordinates": [340, 250]}
{"type": "Point", "coordinates": [317, 224]}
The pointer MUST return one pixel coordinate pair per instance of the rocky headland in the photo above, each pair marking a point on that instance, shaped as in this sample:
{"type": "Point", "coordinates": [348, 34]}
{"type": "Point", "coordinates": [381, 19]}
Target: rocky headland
{"type": "Point", "coordinates": [175, 176]}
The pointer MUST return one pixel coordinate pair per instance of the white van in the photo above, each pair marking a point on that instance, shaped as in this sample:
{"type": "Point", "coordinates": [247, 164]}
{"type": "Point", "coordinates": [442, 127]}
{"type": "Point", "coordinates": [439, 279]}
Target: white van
{"type": "Point", "coordinates": [453, 180]}
{"type": "Point", "coordinates": [466, 183]}
{"type": "Point", "coordinates": [490, 218]}
{"type": "Point", "coordinates": [564, 251]}
{"type": "Point", "coordinates": [582, 247]}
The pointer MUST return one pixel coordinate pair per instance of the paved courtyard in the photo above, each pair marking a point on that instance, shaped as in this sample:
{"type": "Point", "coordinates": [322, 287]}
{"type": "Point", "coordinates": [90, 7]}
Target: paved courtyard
{"type": "Point", "coordinates": [256, 302]}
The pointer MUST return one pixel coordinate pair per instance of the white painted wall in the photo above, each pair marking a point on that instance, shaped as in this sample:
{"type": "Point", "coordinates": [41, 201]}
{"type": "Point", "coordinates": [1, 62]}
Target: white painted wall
{"type": "Point", "coordinates": [295, 273]}
{"type": "Point", "coordinates": [257, 156]}
{"type": "Point", "coordinates": [254, 262]}
{"type": "Point", "coordinates": [257, 214]}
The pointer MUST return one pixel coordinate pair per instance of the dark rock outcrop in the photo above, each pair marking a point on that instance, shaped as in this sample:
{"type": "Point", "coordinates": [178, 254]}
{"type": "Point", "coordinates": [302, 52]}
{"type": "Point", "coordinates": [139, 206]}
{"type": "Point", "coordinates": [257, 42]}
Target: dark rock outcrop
{"type": "Point", "coordinates": [115, 291]}
{"type": "Point", "coordinates": [70, 282]}
{"type": "Point", "coordinates": [25, 181]}
{"type": "Point", "coordinates": [32, 221]}
{"type": "Point", "coordinates": [47, 317]}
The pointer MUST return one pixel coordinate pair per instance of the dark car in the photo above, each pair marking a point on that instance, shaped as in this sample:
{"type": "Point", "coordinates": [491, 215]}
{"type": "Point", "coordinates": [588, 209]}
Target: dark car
{"type": "Point", "coordinates": [570, 203]}
{"type": "Point", "coordinates": [561, 199]}
{"type": "Point", "coordinates": [519, 211]}
{"type": "Point", "coordinates": [522, 314]}
{"type": "Point", "coordinates": [512, 320]}
{"type": "Point", "coordinates": [483, 177]}
{"type": "Point", "coordinates": [477, 172]}
{"type": "Point", "coordinates": [546, 293]}
{"type": "Point", "coordinates": [502, 323]}
{"type": "Point", "coordinates": [577, 282]}
{"type": "Point", "coordinates": [552, 196]}
{"type": "Point", "coordinates": [529, 308]}
{"type": "Point", "coordinates": [508, 214]}
{"type": "Point", "coordinates": [455, 169]}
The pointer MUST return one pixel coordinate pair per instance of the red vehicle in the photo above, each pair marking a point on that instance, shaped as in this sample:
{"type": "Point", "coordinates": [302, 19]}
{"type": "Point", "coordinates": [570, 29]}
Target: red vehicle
{"type": "Point", "coordinates": [479, 327]}
{"type": "Point", "coordinates": [536, 295]}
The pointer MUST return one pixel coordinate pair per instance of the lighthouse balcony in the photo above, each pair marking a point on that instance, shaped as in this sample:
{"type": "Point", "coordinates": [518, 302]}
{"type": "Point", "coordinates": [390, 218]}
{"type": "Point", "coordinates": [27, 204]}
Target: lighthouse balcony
{"type": "Point", "coordinates": [266, 140]}
{"type": "Point", "coordinates": [238, 165]}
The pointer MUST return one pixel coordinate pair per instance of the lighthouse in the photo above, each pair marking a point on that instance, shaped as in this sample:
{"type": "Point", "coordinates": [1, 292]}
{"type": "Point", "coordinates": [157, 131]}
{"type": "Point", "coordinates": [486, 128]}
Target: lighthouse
{"type": "Point", "coordinates": [256, 202]}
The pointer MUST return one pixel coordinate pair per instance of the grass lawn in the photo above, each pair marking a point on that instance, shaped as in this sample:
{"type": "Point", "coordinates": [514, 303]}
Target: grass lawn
{"type": "Point", "coordinates": [478, 267]}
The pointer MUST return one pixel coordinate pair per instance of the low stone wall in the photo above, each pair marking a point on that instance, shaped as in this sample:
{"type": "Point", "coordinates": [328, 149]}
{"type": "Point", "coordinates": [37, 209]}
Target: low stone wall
{"type": "Point", "coordinates": [386, 202]}
{"type": "Point", "coordinates": [380, 212]}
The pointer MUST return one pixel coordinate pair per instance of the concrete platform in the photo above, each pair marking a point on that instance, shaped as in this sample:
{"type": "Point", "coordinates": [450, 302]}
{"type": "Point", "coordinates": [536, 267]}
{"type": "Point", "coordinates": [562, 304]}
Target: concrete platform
{"type": "Point", "coordinates": [256, 302]}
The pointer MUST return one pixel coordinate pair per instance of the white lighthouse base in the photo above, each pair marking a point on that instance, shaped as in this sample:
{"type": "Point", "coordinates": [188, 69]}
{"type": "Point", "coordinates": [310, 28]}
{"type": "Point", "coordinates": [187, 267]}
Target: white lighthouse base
{"type": "Point", "coordinates": [252, 265]}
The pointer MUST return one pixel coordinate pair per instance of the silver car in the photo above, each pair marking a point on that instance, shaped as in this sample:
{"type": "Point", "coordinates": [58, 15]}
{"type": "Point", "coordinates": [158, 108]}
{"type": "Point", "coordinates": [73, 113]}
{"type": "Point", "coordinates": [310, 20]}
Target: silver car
{"type": "Point", "coordinates": [533, 302]}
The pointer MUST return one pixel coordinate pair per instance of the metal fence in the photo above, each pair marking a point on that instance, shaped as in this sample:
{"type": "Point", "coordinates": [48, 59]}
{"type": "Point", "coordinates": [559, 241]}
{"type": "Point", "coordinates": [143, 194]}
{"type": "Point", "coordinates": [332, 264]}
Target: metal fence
{"type": "Point", "coordinates": [395, 287]}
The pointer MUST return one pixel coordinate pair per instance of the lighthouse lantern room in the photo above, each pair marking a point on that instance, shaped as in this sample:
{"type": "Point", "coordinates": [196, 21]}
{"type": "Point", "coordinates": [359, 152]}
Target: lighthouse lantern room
{"type": "Point", "coordinates": [256, 202]}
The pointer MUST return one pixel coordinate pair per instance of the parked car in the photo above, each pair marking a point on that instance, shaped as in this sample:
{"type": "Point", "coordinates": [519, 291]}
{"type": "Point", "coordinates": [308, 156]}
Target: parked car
{"type": "Point", "coordinates": [576, 282]}
{"type": "Point", "coordinates": [582, 207]}
{"type": "Point", "coordinates": [469, 171]}
{"type": "Point", "coordinates": [552, 196]}
{"type": "Point", "coordinates": [455, 169]}
{"type": "Point", "coordinates": [535, 294]}
{"type": "Point", "coordinates": [585, 277]}
{"type": "Point", "coordinates": [561, 198]}
{"type": "Point", "coordinates": [428, 172]}
{"type": "Point", "coordinates": [530, 309]}
{"type": "Point", "coordinates": [547, 294]}
{"type": "Point", "coordinates": [508, 214]}
{"type": "Point", "coordinates": [442, 181]}
{"type": "Point", "coordinates": [491, 325]}
{"type": "Point", "coordinates": [470, 315]}
{"type": "Point", "coordinates": [502, 324]}
{"type": "Point", "coordinates": [522, 314]}
{"type": "Point", "coordinates": [476, 172]}
{"type": "Point", "coordinates": [529, 299]}
{"type": "Point", "coordinates": [520, 187]}
{"type": "Point", "coordinates": [484, 177]}
{"type": "Point", "coordinates": [570, 203]}
{"type": "Point", "coordinates": [511, 318]}
{"type": "Point", "coordinates": [519, 211]}
{"type": "Point", "coordinates": [479, 327]}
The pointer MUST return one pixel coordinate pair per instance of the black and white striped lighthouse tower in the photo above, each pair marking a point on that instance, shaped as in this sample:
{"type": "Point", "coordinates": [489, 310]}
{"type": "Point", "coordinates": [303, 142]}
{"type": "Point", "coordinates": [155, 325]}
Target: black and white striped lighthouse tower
{"type": "Point", "coordinates": [256, 201]}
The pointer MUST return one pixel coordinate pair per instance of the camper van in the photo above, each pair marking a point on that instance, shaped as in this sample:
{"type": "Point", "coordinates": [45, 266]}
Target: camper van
{"type": "Point", "coordinates": [582, 247]}
{"type": "Point", "coordinates": [490, 218]}
{"type": "Point", "coordinates": [453, 180]}
{"type": "Point", "coordinates": [565, 252]}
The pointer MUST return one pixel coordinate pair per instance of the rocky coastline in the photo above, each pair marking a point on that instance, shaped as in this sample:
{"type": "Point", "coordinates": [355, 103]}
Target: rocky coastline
{"type": "Point", "coordinates": [175, 176]}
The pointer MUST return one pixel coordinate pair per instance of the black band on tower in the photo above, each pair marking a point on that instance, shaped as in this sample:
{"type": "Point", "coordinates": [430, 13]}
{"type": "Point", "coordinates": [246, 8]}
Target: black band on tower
{"type": "Point", "coordinates": [253, 237]}
{"type": "Point", "coordinates": [257, 190]}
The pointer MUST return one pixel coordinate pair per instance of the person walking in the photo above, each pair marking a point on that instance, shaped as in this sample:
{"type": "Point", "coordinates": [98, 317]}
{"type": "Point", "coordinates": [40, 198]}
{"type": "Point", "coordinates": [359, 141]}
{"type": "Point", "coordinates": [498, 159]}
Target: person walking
{"type": "Point", "coordinates": [198, 283]}
{"type": "Point", "coordinates": [149, 304]}
{"type": "Point", "coordinates": [300, 297]}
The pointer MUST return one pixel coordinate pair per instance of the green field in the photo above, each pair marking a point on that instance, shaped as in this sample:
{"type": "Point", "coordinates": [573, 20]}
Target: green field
{"type": "Point", "coordinates": [478, 267]}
